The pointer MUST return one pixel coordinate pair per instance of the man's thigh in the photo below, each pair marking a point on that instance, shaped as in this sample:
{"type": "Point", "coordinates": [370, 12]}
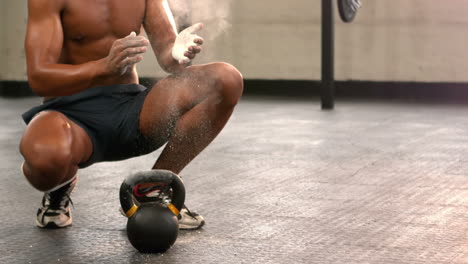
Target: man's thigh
{"type": "Point", "coordinates": [173, 96]}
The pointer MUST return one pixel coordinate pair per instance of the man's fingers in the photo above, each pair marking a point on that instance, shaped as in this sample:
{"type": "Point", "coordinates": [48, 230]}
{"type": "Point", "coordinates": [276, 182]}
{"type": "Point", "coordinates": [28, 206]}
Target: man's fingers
{"type": "Point", "coordinates": [193, 28]}
{"type": "Point", "coordinates": [194, 49]}
{"type": "Point", "coordinates": [130, 52]}
{"type": "Point", "coordinates": [189, 55]}
{"type": "Point", "coordinates": [194, 40]}
{"type": "Point", "coordinates": [198, 41]}
{"type": "Point", "coordinates": [191, 52]}
{"type": "Point", "coordinates": [131, 41]}
{"type": "Point", "coordinates": [130, 60]}
{"type": "Point", "coordinates": [184, 61]}
{"type": "Point", "coordinates": [124, 69]}
{"type": "Point", "coordinates": [187, 44]}
{"type": "Point", "coordinates": [132, 34]}
{"type": "Point", "coordinates": [136, 42]}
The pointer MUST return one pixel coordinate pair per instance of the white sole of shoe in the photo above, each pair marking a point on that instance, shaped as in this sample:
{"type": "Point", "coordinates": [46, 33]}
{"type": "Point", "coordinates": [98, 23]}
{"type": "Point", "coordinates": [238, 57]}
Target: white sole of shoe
{"type": "Point", "coordinates": [53, 224]}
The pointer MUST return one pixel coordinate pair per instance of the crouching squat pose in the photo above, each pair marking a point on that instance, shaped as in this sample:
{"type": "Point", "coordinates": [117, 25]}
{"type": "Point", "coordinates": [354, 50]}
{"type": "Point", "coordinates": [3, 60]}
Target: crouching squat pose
{"type": "Point", "coordinates": [81, 58]}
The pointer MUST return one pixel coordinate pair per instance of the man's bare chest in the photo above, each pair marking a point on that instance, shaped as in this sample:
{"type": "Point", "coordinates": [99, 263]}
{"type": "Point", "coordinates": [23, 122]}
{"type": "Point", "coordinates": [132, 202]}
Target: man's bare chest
{"type": "Point", "coordinates": [91, 20]}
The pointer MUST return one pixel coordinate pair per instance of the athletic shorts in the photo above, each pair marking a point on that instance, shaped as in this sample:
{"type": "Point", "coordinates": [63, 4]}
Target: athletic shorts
{"type": "Point", "coordinates": [110, 116]}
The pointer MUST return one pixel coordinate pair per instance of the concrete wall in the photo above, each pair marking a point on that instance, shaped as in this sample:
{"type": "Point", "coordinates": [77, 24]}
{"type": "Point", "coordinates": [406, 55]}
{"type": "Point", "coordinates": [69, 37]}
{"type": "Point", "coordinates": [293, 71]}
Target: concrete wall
{"type": "Point", "coordinates": [12, 32]}
{"type": "Point", "coordinates": [399, 40]}
{"type": "Point", "coordinates": [409, 40]}
{"type": "Point", "coordinates": [2, 44]}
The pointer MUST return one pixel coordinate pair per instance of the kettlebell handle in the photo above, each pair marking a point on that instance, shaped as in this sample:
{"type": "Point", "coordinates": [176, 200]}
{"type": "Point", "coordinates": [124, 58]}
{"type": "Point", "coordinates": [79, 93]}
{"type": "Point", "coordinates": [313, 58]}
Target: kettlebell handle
{"type": "Point", "coordinates": [152, 176]}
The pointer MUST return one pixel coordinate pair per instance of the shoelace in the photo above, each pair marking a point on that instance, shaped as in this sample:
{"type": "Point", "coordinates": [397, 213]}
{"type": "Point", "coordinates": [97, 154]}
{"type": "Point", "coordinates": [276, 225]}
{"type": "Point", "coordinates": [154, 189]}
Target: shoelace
{"type": "Point", "coordinates": [189, 213]}
{"type": "Point", "coordinates": [161, 194]}
{"type": "Point", "coordinates": [57, 200]}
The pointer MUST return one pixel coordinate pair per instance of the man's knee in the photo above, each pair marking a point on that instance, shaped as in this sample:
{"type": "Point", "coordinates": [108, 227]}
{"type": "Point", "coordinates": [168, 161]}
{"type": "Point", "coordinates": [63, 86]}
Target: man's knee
{"type": "Point", "coordinates": [48, 157]}
{"type": "Point", "coordinates": [230, 83]}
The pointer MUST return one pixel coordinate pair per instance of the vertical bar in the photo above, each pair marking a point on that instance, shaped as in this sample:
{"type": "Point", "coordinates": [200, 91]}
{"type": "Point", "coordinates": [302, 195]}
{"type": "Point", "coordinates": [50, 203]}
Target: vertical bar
{"type": "Point", "coordinates": [327, 92]}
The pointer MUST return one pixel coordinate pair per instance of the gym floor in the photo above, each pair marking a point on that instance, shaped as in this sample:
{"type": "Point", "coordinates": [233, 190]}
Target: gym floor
{"type": "Point", "coordinates": [370, 182]}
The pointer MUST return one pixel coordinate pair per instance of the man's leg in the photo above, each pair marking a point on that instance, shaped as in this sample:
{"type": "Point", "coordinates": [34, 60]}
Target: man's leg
{"type": "Point", "coordinates": [189, 110]}
{"type": "Point", "coordinates": [52, 147]}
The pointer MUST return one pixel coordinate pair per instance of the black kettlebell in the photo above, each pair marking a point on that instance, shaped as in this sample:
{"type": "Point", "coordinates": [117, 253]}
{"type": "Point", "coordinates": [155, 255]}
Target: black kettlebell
{"type": "Point", "coordinates": [152, 227]}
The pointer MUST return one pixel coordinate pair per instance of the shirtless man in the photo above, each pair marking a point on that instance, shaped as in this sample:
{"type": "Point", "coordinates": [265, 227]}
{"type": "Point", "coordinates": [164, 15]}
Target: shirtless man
{"type": "Point", "coordinates": [81, 58]}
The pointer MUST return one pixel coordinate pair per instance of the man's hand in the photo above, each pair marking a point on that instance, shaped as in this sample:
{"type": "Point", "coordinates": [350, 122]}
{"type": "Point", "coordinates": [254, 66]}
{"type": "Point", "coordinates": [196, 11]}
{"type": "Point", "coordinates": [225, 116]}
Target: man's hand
{"type": "Point", "coordinates": [187, 44]}
{"type": "Point", "coordinates": [125, 52]}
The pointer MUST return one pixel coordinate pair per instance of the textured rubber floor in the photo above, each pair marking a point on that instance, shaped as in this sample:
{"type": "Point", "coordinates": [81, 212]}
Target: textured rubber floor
{"type": "Point", "coordinates": [371, 182]}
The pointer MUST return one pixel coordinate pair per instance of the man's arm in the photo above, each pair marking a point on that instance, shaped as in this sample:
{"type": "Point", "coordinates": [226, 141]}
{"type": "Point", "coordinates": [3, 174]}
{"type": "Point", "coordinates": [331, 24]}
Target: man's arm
{"type": "Point", "coordinates": [44, 41]}
{"type": "Point", "coordinates": [161, 29]}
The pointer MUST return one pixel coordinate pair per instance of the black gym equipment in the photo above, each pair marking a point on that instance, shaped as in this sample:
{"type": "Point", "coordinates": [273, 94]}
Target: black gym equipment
{"type": "Point", "coordinates": [348, 9]}
{"type": "Point", "coordinates": [327, 89]}
{"type": "Point", "coordinates": [153, 227]}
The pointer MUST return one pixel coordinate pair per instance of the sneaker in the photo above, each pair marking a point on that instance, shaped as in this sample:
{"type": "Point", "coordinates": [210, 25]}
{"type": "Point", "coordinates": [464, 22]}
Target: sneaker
{"type": "Point", "coordinates": [55, 211]}
{"type": "Point", "coordinates": [188, 220]}
{"type": "Point", "coordinates": [156, 193]}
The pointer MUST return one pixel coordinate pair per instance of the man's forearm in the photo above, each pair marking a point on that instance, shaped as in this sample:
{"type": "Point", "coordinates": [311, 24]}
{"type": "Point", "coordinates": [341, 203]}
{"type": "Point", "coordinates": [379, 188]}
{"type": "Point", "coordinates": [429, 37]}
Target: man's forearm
{"type": "Point", "coordinates": [52, 80]}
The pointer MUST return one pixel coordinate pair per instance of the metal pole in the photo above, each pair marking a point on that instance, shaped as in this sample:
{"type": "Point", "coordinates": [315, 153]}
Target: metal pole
{"type": "Point", "coordinates": [328, 86]}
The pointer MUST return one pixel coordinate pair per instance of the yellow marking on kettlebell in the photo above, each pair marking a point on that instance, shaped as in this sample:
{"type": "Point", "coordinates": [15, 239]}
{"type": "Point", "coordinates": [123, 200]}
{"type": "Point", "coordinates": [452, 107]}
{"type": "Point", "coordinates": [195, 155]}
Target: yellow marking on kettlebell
{"type": "Point", "coordinates": [173, 209]}
{"type": "Point", "coordinates": [131, 211]}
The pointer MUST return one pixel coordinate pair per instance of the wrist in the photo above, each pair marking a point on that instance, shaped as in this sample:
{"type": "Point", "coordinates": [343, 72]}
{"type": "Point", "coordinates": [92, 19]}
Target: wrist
{"type": "Point", "coordinates": [101, 69]}
{"type": "Point", "coordinates": [168, 63]}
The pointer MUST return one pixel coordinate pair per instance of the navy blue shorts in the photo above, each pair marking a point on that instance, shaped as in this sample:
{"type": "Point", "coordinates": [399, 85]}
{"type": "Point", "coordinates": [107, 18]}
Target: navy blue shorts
{"type": "Point", "coordinates": [110, 115]}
